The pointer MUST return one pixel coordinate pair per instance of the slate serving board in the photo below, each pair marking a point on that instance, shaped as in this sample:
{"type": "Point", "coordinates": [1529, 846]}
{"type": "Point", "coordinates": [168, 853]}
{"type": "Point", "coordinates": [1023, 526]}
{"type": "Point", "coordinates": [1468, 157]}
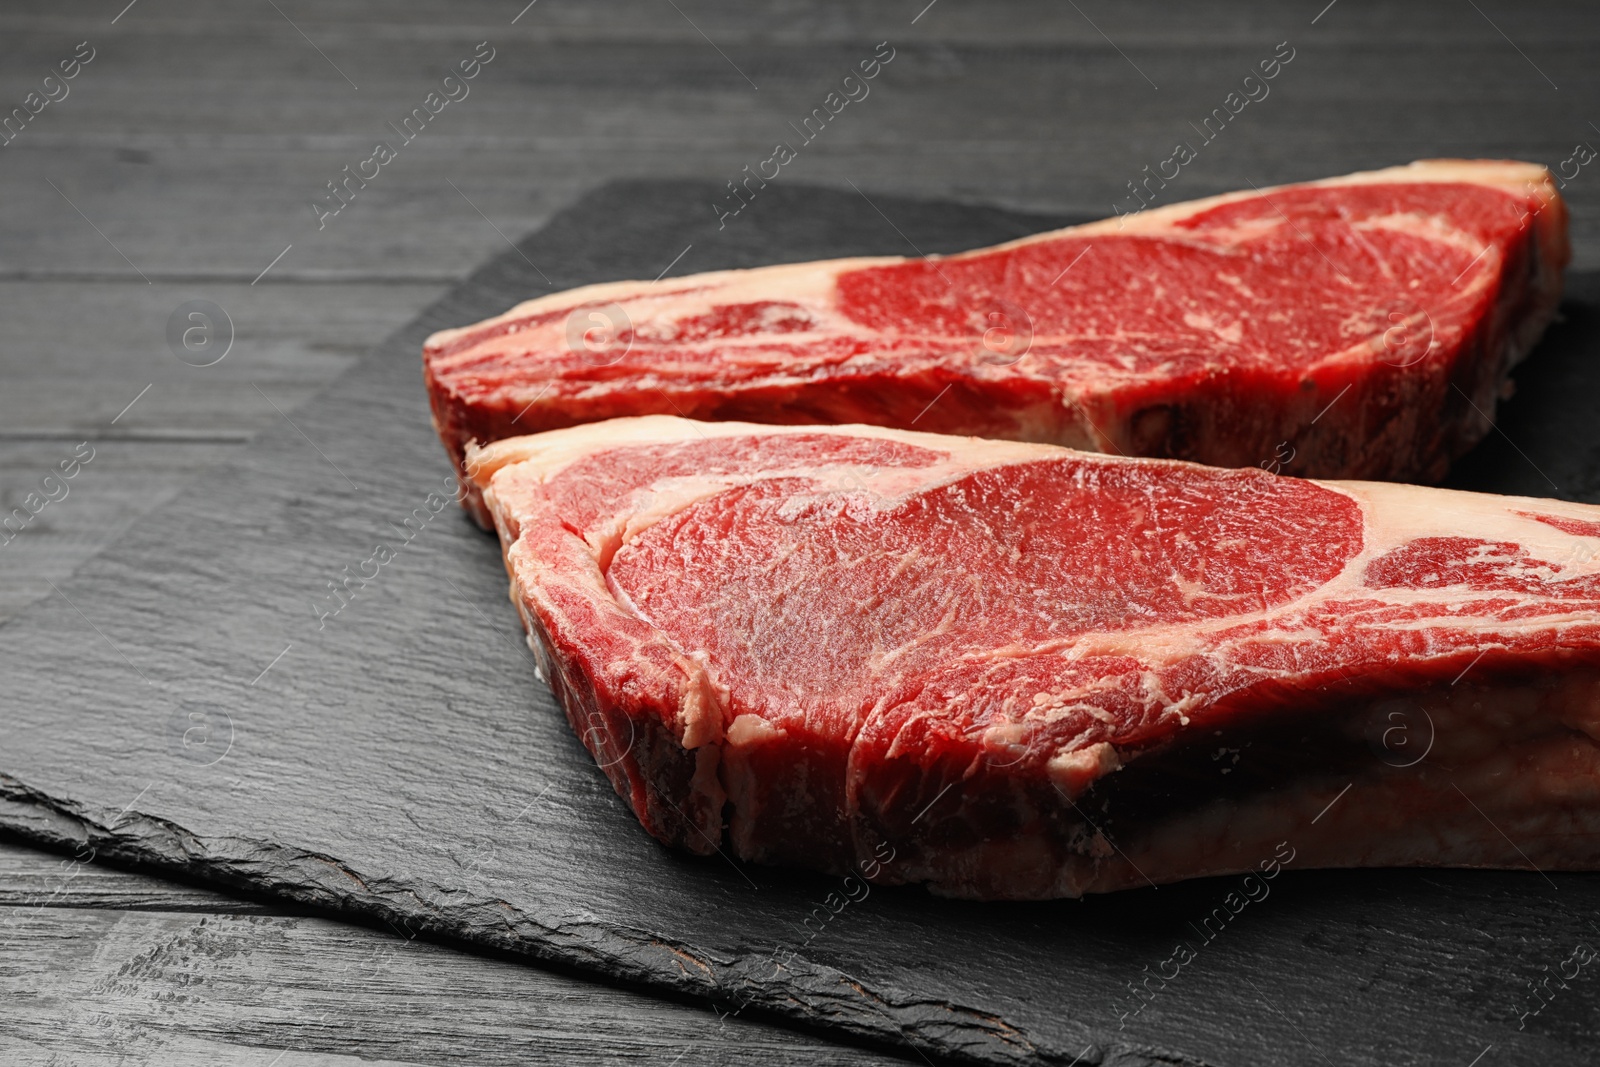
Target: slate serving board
{"type": "Point", "coordinates": [182, 705]}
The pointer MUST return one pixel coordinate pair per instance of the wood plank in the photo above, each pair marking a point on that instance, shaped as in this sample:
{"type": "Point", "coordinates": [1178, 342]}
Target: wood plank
{"type": "Point", "coordinates": [258, 123]}
{"type": "Point", "coordinates": [1128, 21]}
{"type": "Point", "coordinates": [79, 352]}
{"type": "Point", "coordinates": [34, 880]}
{"type": "Point", "coordinates": [187, 990]}
{"type": "Point", "coordinates": [335, 987]}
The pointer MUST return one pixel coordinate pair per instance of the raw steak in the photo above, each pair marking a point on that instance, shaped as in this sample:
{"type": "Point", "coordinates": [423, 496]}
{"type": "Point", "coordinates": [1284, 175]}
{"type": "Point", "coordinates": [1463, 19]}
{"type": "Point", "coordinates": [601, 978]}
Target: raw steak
{"type": "Point", "coordinates": [1024, 671]}
{"type": "Point", "coordinates": [1361, 327]}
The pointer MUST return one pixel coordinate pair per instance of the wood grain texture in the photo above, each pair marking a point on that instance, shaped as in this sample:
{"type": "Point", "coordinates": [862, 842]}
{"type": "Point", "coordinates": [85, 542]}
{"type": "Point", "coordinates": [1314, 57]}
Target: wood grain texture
{"type": "Point", "coordinates": [1023, 104]}
{"type": "Point", "coordinates": [400, 761]}
{"type": "Point", "coordinates": [78, 352]}
{"type": "Point", "coordinates": [145, 971]}
{"type": "Point", "coordinates": [34, 880]}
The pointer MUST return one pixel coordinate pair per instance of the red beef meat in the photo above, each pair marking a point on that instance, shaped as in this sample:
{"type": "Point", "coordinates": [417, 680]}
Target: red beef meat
{"type": "Point", "coordinates": [1025, 671]}
{"type": "Point", "coordinates": [1361, 327]}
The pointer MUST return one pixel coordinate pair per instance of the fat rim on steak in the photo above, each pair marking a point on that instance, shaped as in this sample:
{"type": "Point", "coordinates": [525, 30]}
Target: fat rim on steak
{"type": "Point", "coordinates": [1034, 672]}
{"type": "Point", "coordinates": [1356, 327]}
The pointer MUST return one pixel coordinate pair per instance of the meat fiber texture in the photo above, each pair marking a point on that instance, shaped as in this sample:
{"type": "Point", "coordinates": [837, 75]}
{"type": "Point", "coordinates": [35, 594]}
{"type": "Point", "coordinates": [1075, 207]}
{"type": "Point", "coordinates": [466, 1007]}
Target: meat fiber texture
{"type": "Point", "coordinates": [1360, 327]}
{"type": "Point", "coordinates": [1025, 671]}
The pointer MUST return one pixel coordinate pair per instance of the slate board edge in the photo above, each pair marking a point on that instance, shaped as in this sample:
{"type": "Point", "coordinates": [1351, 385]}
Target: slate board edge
{"type": "Point", "coordinates": [829, 1000]}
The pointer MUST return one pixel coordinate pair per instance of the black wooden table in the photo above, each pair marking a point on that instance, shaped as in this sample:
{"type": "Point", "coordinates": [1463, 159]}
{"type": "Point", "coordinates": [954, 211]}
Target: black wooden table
{"type": "Point", "coordinates": [183, 159]}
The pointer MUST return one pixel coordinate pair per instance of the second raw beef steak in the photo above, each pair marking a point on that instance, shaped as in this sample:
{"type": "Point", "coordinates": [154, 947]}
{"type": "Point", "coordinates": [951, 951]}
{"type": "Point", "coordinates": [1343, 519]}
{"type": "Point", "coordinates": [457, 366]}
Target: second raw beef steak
{"type": "Point", "coordinates": [1361, 327]}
